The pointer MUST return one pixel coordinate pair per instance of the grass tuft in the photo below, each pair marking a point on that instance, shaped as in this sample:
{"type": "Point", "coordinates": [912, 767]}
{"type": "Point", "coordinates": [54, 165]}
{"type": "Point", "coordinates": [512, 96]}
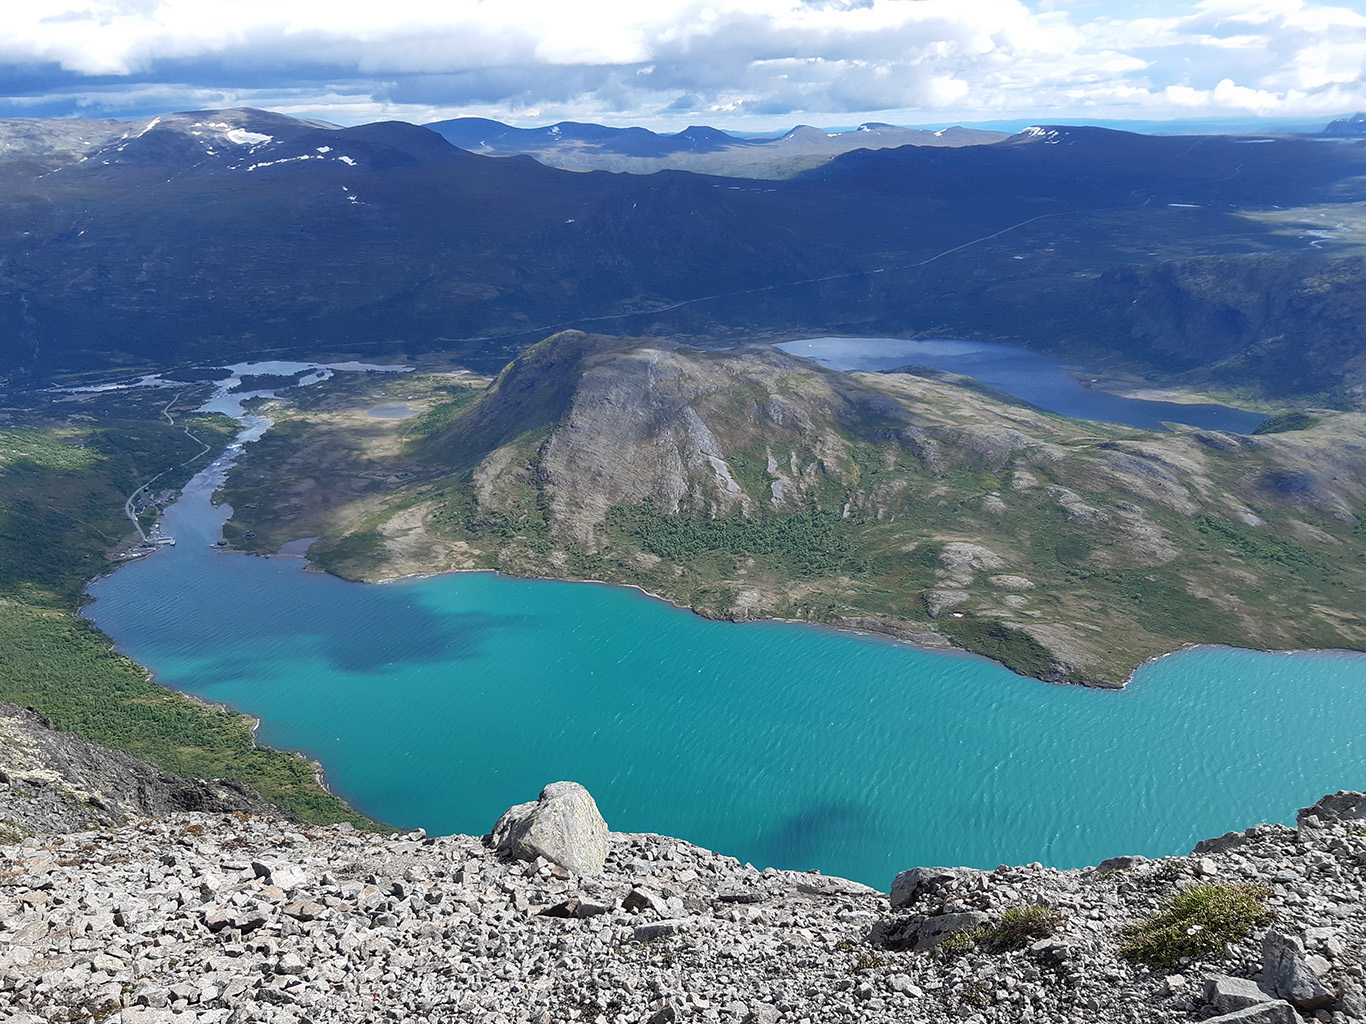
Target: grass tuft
{"type": "Point", "coordinates": [867, 961]}
{"type": "Point", "coordinates": [1017, 928]}
{"type": "Point", "coordinates": [1197, 921]}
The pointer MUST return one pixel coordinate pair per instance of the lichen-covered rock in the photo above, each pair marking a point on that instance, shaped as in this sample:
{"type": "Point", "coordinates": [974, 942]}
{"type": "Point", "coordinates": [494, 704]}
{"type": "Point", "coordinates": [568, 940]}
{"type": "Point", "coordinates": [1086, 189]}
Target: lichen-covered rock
{"type": "Point", "coordinates": [564, 826]}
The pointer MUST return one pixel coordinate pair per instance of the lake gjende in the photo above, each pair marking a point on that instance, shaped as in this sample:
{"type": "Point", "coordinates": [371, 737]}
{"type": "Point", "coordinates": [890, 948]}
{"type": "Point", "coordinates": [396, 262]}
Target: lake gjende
{"type": "Point", "coordinates": [438, 702]}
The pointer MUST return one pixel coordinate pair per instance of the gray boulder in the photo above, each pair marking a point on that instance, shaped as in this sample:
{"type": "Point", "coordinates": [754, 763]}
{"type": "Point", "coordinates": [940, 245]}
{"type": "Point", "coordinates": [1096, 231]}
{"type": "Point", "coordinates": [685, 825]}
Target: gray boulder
{"type": "Point", "coordinates": [1122, 863]}
{"type": "Point", "coordinates": [564, 826]}
{"type": "Point", "coordinates": [1344, 805]}
{"type": "Point", "coordinates": [1352, 1004]}
{"type": "Point", "coordinates": [1227, 841]}
{"type": "Point", "coordinates": [917, 933]}
{"type": "Point", "coordinates": [1286, 975]}
{"type": "Point", "coordinates": [909, 886]}
{"type": "Point", "coordinates": [1278, 1012]}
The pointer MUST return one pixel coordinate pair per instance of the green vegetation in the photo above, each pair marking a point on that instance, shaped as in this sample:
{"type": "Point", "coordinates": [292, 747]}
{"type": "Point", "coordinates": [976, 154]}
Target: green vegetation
{"type": "Point", "coordinates": [63, 485]}
{"type": "Point", "coordinates": [63, 481]}
{"type": "Point", "coordinates": [47, 449]}
{"type": "Point", "coordinates": [64, 667]}
{"type": "Point", "coordinates": [1197, 921]}
{"type": "Point", "coordinates": [11, 833]}
{"type": "Point", "coordinates": [443, 414]}
{"type": "Point", "coordinates": [1284, 421]}
{"type": "Point", "coordinates": [524, 516]}
{"type": "Point", "coordinates": [867, 961]}
{"type": "Point", "coordinates": [1017, 928]}
{"type": "Point", "coordinates": [1264, 547]}
{"type": "Point", "coordinates": [1013, 648]}
{"type": "Point", "coordinates": [805, 545]}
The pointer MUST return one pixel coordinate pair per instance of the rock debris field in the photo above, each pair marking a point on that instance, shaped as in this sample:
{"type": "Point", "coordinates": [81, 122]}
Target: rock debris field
{"type": "Point", "coordinates": [230, 917]}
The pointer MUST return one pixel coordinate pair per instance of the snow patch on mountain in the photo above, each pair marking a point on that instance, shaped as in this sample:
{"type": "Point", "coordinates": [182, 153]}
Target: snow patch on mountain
{"type": "Point", "coordinates": [245, 138]}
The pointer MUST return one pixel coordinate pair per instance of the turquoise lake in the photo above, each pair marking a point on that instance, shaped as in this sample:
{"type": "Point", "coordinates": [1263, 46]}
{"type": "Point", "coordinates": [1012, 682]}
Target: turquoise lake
{"type": "Point", "coordinates": [439, 702]}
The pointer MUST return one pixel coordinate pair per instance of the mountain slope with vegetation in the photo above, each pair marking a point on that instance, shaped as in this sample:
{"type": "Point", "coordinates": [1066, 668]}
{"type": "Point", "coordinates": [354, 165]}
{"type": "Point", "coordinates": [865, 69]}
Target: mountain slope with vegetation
{"type": "Point", "coordinates": [748, 483]}
{"type": "Point", "coordinates": [230, 234]}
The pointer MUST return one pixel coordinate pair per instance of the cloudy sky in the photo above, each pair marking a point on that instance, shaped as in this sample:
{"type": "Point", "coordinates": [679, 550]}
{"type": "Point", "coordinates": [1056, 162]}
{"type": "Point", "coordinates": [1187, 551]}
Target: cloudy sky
{"type": "Point", "coordinates": [742, 64]}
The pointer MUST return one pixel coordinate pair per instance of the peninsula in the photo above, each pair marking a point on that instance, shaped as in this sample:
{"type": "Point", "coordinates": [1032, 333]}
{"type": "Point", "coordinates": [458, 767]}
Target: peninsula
{"type": "Point", "coordinates": [748, 483]}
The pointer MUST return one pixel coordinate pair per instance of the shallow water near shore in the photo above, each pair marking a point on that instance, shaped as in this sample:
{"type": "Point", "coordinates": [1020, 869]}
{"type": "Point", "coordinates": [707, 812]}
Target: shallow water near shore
{"type": "Point", "coordinates": [439, 702]}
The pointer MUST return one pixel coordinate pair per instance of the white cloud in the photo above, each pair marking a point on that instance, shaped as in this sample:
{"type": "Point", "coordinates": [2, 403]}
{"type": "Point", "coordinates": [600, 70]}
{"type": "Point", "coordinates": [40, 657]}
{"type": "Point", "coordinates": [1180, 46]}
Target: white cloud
{"type": "Point", "coordinates": [623, 59]}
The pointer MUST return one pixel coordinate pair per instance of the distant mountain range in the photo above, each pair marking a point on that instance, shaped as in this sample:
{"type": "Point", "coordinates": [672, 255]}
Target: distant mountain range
{"type": "Point", "coordinates": [1354, 125]}
{"type": "Point", "coordinates": [214, 235]}
{"type": "Point", "coordinates": [592, 147]}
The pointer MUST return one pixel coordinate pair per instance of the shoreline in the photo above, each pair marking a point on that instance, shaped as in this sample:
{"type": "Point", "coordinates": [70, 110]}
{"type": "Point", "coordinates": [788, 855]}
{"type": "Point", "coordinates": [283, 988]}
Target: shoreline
{"type": "Point", "coordinates": [870, 627]}
{"type": "Point", "coordinates": [948, 648]}
{"type": "Point", "coordinates": [315, 762]}
{"type": "Point", "coordinates": [255, 722]}
{"type": "Point", "coordinates": [318, 766]}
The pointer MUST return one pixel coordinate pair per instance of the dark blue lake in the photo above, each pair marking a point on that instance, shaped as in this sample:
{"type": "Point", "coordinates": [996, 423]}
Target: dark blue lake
{"type": "Point", "coordinates": [1048, 383]}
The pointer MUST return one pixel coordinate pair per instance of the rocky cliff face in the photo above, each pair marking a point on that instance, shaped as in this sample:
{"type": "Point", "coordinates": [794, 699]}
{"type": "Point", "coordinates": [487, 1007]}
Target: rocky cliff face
{"type": "Point", "coordinates": [219, 918]}
{"type": "Point", "coordinates": [53, 781]}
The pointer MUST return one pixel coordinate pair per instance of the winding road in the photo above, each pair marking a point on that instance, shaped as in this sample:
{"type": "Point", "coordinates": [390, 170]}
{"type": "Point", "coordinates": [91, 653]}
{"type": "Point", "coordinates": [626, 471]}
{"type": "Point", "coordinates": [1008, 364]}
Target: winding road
{"type": "Point", "coordinates": [130, 503]}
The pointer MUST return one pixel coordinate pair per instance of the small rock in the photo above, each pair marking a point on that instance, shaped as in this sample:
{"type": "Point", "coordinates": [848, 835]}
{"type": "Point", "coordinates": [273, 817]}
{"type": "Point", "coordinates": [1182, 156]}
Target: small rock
{"type": "Point", "coordinates": [305, 910]}
{"type": "Point", "coordinates": [1225, 993]}
{"type": "Point", "coordinates": [901, 983]}
{"type": "Point", "coordinates": [643, 899]}
{"type": "Point", "coordinates": [665, 928]}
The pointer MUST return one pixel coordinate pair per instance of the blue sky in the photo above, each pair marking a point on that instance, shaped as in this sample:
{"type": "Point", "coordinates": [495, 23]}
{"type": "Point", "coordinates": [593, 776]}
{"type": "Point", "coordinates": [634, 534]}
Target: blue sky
{"type": "Point", "coordinates": [740, 64]}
